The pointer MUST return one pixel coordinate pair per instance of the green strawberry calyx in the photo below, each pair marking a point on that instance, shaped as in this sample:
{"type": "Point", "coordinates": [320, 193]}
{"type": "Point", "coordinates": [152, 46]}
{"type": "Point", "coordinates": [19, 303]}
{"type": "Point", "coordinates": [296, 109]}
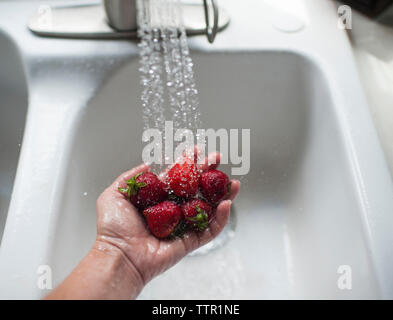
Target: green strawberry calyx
{"type": "Point", "coordinates": [180, 230]}
{"type": "Point", "coordinates": [201, 220]}
{"type": "Point", "coordinates": [133, 186]}
{"type": "Point", "coordinates": [229, 185]}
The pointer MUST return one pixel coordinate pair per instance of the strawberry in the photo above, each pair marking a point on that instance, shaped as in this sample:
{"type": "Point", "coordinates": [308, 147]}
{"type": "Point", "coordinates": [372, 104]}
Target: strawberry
{"type": "Point", "coordinates": [163, 218]}
{"type": "Point", "coordinates": [197, 213]}
{"type": "Point", "coordinates": [183, 179]}
{"type": "Point", "coordinates": [214, 186]}
{"type": "Point", "coordinates": [145, 190]}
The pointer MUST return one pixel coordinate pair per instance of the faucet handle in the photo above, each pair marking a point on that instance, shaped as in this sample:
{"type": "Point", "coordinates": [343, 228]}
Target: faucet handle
{"type": "Point", "coordinates": [122, 16]}
{"type": "Point", "coordinates": [211, 31]}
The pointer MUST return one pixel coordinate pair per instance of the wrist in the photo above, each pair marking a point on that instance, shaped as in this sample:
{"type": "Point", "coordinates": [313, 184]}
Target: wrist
{"type": "Point", "coordinates": [121, 271]}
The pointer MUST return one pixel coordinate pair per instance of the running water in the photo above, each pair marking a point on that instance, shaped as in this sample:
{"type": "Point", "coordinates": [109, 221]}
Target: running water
{"type": "Point", "coordinates": [167, 74]}
{"type": "Point", "coordinates": [165, 58]}
{"type": "Point", "coordinates": [150, 69]}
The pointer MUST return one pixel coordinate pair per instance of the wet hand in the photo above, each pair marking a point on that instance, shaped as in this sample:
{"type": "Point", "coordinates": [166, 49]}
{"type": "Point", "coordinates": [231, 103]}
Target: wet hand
{"type": "Point", "coordinates": [119, 224]}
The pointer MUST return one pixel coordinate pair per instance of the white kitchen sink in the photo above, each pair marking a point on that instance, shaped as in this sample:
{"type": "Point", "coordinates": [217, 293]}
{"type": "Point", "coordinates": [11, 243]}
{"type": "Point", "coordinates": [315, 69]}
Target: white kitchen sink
{"type": "Point", "coordinates": [318, 196]}
{"type": "Point", "coordinates": [13, 107]}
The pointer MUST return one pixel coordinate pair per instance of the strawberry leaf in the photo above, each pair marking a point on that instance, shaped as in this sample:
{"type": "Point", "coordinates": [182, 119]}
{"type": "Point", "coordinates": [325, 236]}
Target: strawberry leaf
{"type": "Point", "coordinates": [134, 186]}
{"type": "Point", "coordinates": [123, 190]}
{"type": "Point", "coordinates": [201, 220]}
{"type": "Point", "coordinates": [140, 185]}
{"type": "Point", "coordinates": [180, 230]}
{"type": "Point", "coordinates": [229, 188]}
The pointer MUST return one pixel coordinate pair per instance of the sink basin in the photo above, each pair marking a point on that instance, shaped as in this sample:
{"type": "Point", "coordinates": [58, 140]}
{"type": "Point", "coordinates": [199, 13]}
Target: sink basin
{"type": "Point", "coordinates": [13, 106]}
{"type": "Point", "coordinates": [287, 241]}
{"type": "Point", "coordinates": [318, 197]}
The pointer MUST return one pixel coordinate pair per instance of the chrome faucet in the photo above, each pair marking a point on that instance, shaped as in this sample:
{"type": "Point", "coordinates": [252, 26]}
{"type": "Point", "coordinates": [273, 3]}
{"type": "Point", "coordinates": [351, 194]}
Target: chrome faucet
{"type": "Point", "coordinates": [121, 14]}
{"type": "Point", "coordinates": [118, 19]}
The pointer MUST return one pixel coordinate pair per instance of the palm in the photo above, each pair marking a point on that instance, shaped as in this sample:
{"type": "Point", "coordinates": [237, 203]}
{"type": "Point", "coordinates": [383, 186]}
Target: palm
{"type": "Point", "coordinates": [120, 223]}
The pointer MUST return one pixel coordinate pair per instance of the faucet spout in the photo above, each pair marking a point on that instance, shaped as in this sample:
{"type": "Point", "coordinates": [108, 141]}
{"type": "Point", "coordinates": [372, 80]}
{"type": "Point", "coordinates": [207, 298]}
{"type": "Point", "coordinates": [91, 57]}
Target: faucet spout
{"type": "Point", "coordinates": [117, 19]}
{"type": "Point", "coordinates": [122, 16]}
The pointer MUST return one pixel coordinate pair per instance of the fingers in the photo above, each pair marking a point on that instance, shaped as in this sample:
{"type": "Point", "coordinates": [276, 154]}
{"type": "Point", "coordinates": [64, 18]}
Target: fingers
{"type": "Point", "coordinates": [219, 220]}
{"type": "Point", "coordinates": [121, 180]}
{"type": "Point", "coordinates": [193, 240]}
{"type": "Point", "coordinates": [221, 216]}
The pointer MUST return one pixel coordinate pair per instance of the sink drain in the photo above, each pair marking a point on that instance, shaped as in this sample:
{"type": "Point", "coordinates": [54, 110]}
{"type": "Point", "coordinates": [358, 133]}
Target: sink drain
{"type": "Point", "coordinates": [221, 240]}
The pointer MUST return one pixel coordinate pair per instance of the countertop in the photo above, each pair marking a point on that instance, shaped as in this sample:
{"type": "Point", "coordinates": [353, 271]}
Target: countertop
{"type": "Point", "coordinates": [372, 44]}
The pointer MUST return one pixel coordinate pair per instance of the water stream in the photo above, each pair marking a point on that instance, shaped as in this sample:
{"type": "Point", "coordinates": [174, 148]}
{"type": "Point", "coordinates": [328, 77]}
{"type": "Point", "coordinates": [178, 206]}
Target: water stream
{"type": "Point", "coordinates": [168, 86]}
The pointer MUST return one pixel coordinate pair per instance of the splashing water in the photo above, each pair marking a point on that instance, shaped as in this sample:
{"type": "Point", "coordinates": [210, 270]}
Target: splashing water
{"type": "Point", "coordinates": [164, 49]}
{"type": "Point", "coordinates": [167, 74]}
{"type": "Point", "coordinates": [150, 69]}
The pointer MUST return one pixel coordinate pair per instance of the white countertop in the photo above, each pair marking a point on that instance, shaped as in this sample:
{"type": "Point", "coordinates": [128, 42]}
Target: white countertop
{"type": "Point", "coordinates": [373, 48]}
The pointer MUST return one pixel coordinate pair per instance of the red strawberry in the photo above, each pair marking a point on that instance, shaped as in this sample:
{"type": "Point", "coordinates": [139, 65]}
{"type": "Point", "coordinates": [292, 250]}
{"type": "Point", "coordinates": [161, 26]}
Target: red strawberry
{"type": "Point", "coordinates": [197, 213]}
{"type": "Point", "coordinates": [183, 179]}
{"type": "Point", "coordinates": [214, 186]}
{"type": "Point", "coordinates": [145, 190]}
{"type": "Point", "coordinates": [163, 218]}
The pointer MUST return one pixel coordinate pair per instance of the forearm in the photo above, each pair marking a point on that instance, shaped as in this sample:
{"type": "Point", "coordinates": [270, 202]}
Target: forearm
{"type": "Point", "coordinates": [105, 273]}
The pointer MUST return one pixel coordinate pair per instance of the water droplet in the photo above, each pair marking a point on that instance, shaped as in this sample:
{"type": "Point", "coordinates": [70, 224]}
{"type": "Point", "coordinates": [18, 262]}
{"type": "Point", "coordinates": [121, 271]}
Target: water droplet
{"type": "Point", "coordinates": [166, 68]}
